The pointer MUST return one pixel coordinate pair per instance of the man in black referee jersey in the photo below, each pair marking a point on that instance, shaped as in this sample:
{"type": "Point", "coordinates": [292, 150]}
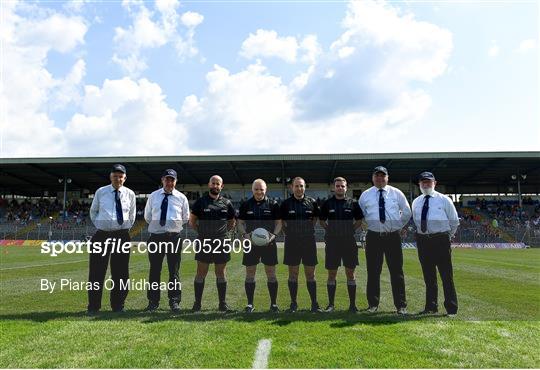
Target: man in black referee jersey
{"type": "Point", "coordinates": [260, 212]}
{"type": "Point", "coordinates": [299, 215]}
{"type": "Point", "coordinates": [341, 216]}
{"type": "Point", "coordinates": [212, 216]}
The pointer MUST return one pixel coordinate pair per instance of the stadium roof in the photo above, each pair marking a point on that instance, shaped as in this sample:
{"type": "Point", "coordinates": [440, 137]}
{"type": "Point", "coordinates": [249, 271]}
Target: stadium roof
{"type": "Point", "coordinates": [471, 172]}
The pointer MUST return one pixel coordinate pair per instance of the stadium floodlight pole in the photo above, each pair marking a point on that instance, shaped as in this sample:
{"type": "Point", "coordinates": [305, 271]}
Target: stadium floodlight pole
{"type": "Point", "coordinates": [65, 181]}
{"type": "Point", "coordinates": [518, 177]}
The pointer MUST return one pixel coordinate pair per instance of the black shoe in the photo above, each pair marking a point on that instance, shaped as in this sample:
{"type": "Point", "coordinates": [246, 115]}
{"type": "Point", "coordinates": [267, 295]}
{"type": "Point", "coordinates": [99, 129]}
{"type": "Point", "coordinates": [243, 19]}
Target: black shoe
{"type": "Point", "coordinates": [175, 306]}
{"type": "Point", "coordinates": [372, 309]}
{"type": "Point", "coordinates": [293, 307]}
{"type": "Point", "coordinates": [315, 308]}
{"type": "Point", "coordinates": [427, 312]}
{"type": "Point", "coordinates": [119, 310]}
{"type": "Point", "coordinates": [329, 308]}
{"type": "Point", "coordinates": [152, 307]}
{"type": "Point", "coordinates": [249, 308]}
{"type": "Point", "coordinates": [274, 308]}
{"type": "Point", "coordinates": [353, 309]}
{"type": "Point", "coordinates": [92, 312]}
{"type": "Point", "coordinates": [196, 307]}
{"type": "Point", "coordinates": [224, 307]}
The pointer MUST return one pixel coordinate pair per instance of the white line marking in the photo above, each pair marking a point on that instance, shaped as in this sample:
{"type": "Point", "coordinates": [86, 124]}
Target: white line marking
{"type": "Point", "coordinates": [47, 264]}
{"type": "Point", "coordinates": [262, 353]}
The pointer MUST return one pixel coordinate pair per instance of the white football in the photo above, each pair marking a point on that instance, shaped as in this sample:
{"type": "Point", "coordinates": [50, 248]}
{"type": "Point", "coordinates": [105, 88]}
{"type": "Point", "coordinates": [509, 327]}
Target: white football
{"type": "Point", "coordinates": [260, 237]}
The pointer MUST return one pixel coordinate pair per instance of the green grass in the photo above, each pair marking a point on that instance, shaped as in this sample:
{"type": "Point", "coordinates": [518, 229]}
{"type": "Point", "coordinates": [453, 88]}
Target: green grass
{"type": "Point", "coordinates": [497, 326]}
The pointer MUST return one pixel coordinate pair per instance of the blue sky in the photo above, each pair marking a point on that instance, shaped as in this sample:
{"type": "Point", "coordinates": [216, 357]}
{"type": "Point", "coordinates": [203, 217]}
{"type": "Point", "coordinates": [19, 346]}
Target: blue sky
{"type": "Point", "coordinates": [177, 78]}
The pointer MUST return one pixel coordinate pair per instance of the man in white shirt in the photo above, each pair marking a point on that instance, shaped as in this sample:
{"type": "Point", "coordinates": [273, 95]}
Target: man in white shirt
{"type": "Point", "coordinates": [436, 221]}
{"type": "Point", "coordinates": [113, 213]}
{"type": "Point", "coordinates": [166, 211]}
{"type": "Point", "coordinates": [386, 211]}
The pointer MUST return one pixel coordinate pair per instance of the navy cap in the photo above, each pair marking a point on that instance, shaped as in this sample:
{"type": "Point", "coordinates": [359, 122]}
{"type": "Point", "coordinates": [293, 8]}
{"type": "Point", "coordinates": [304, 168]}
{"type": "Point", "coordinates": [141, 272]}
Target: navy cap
{"type": "Point", "coordinates": [169, 173]}
{"type": "Point", "coordinates": [380, 169]}
{"type": "Point", "coordinates": [426, 176]}
{"type": "Point", "coordinates": [118, 168]}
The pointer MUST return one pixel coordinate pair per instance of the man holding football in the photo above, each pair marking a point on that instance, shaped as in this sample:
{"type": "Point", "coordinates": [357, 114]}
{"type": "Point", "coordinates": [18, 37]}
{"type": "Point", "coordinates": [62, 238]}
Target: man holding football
{"type": "Point", "coordinates": [260, 212]}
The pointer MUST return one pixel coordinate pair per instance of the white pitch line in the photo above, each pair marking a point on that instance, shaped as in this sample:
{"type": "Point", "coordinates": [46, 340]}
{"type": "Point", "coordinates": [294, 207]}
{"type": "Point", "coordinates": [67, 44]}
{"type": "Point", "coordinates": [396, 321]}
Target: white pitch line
{"type": "Point", "coordinates": [47, 264]}
{"type": "Point", "coordinates": [262, 353]}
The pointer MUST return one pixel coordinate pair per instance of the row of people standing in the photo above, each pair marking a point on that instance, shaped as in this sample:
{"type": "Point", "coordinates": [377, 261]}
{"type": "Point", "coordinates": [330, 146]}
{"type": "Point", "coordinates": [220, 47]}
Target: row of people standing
{"type": "Point", "coordinates": [383, 207]}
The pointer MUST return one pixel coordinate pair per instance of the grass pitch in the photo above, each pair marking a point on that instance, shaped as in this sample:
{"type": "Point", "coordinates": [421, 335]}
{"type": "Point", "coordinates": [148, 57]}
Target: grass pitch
{"type": "Point", "coordinates": [497, 326]}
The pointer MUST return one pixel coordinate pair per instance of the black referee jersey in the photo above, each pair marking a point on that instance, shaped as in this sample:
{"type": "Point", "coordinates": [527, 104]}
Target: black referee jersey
{"type": "Point", "coordinates": [213, 215]}
{"type": "Point", "coordinates": [299, 215]}
{"type": "Point", "coordinates": [258, 214]}
{"type": "Point", "coordinates": [340, 214]}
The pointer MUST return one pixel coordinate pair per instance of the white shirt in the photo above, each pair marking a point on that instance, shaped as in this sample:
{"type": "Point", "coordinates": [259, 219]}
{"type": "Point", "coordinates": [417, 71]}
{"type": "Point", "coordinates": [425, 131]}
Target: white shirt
{"type": "Point", "coordinates": [441, 217]}
{"type": "Point", "coordinates": [103, 208]}
{"type": "Point", "coordinates": [177, 212]}
{"type": "Point", "coordinates": [397, 209]}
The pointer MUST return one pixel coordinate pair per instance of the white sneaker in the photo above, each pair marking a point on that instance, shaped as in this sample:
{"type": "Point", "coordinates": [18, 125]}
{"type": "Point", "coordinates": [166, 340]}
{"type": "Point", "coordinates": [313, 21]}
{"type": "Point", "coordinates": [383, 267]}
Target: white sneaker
{"type": "Point", "coordinates": [402, 311]}
{"type": "Point", "coordinates": [372, 309]}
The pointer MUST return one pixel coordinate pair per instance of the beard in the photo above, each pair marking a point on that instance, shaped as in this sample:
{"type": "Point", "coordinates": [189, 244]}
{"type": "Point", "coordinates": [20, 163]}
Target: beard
{"type": "Point", "coordinates": [427, 191]}
{"type": "Point", "coordinates": [214, 191]}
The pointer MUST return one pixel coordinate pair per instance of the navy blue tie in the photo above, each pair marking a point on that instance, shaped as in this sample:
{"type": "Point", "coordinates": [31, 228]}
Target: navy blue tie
{"type": "Point", "coordinates": [164, 206]}
{"type": "Point", "coordinates": [382, 213]}
{"type": "Point", "coordinates": [119, 213]}
{"type": "Point", "coordinates": [423, 220]}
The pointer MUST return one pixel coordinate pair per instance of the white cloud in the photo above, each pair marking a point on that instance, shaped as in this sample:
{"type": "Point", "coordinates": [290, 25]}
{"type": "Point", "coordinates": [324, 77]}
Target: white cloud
{"type": "Point", "coordinates": [311, 48]}
{"type": "Point", "coordinates": [243, 110]}
{"type": "Point", "coordinates": [29, 90]}
{"type": "Point", "coordinates": [191, 19]}
{"type": "Point", "coordinates": [526, 46]}
{"type": "Point", "coordinates": [239, 110]}
{"type": "Point", "coordinates": [268, 44]}
{"type": "Point", "coordinates": [125, 116]}
{"type": "Point", "coordinates": [358, 88]}
{"type": "Point", "coordinates": [368, 81]}
{"type": "Point", "coordinates": [153, 29]}
{"type": "Point", "coordinates": [377, 58]}
{"type": "Point", "coordinates": [494, 49]}
{"type": "Point", "coordinates": [75, 6]}
{"type": "Point", "coordinates": [57, 32]}
{"type": "Point", "coordinates": [416, 49]}
{"type": "Point", "coordinates": [68, 88]}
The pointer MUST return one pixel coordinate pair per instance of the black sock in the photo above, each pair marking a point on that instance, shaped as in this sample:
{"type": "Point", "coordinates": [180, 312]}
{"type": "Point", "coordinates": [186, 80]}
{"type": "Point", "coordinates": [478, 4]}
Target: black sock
{"type": "Point", "coordinates": [351, 289]}
{"type": "Point", "coordinates": [199, 287]}
{"type": "Point", "coordinates": [312, 289]}
{"type": "Point", "coordinates": [250, 291]}
{"type": "Point", "coordinates": [293, 289]}
{"type": "Point", "coordinates": [331, 288]}
{"type": "Point", "coordinates": [272, 289]}
{"type": "Point", "coordinates": [222, 289]}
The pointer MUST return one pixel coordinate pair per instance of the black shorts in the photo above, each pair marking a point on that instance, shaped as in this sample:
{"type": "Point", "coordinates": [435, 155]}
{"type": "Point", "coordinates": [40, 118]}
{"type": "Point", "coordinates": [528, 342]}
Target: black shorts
{"type": "Point", "coordinates": [338, 250]}
{"type": "Point", "coordinates": [211, 255]}
{"type": "Point", "coordinates": [267, 255]}
{"type": "Point", "coordinates": [300, 249]}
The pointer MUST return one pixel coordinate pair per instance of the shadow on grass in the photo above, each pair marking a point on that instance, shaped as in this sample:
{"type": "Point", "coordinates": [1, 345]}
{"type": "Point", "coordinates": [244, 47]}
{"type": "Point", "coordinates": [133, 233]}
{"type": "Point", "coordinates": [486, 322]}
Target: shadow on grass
{"type": "Point", "coordinates": [337, 319]}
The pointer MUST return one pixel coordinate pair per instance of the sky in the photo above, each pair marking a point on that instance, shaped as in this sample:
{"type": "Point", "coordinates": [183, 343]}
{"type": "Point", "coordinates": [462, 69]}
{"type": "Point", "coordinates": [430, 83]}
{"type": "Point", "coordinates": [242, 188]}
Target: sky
{"type": "Point", "coordinates": [165, 77]}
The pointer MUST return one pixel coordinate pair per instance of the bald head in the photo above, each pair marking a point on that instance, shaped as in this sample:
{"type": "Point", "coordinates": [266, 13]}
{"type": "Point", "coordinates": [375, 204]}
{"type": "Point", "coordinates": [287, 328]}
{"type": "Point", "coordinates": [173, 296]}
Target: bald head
{"type": "Point", "coordinates": [259, 189]}
{"type": "Point", "coordinates": [215, 184]}
{"type": "Point", "coordinates": [215, 178]}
